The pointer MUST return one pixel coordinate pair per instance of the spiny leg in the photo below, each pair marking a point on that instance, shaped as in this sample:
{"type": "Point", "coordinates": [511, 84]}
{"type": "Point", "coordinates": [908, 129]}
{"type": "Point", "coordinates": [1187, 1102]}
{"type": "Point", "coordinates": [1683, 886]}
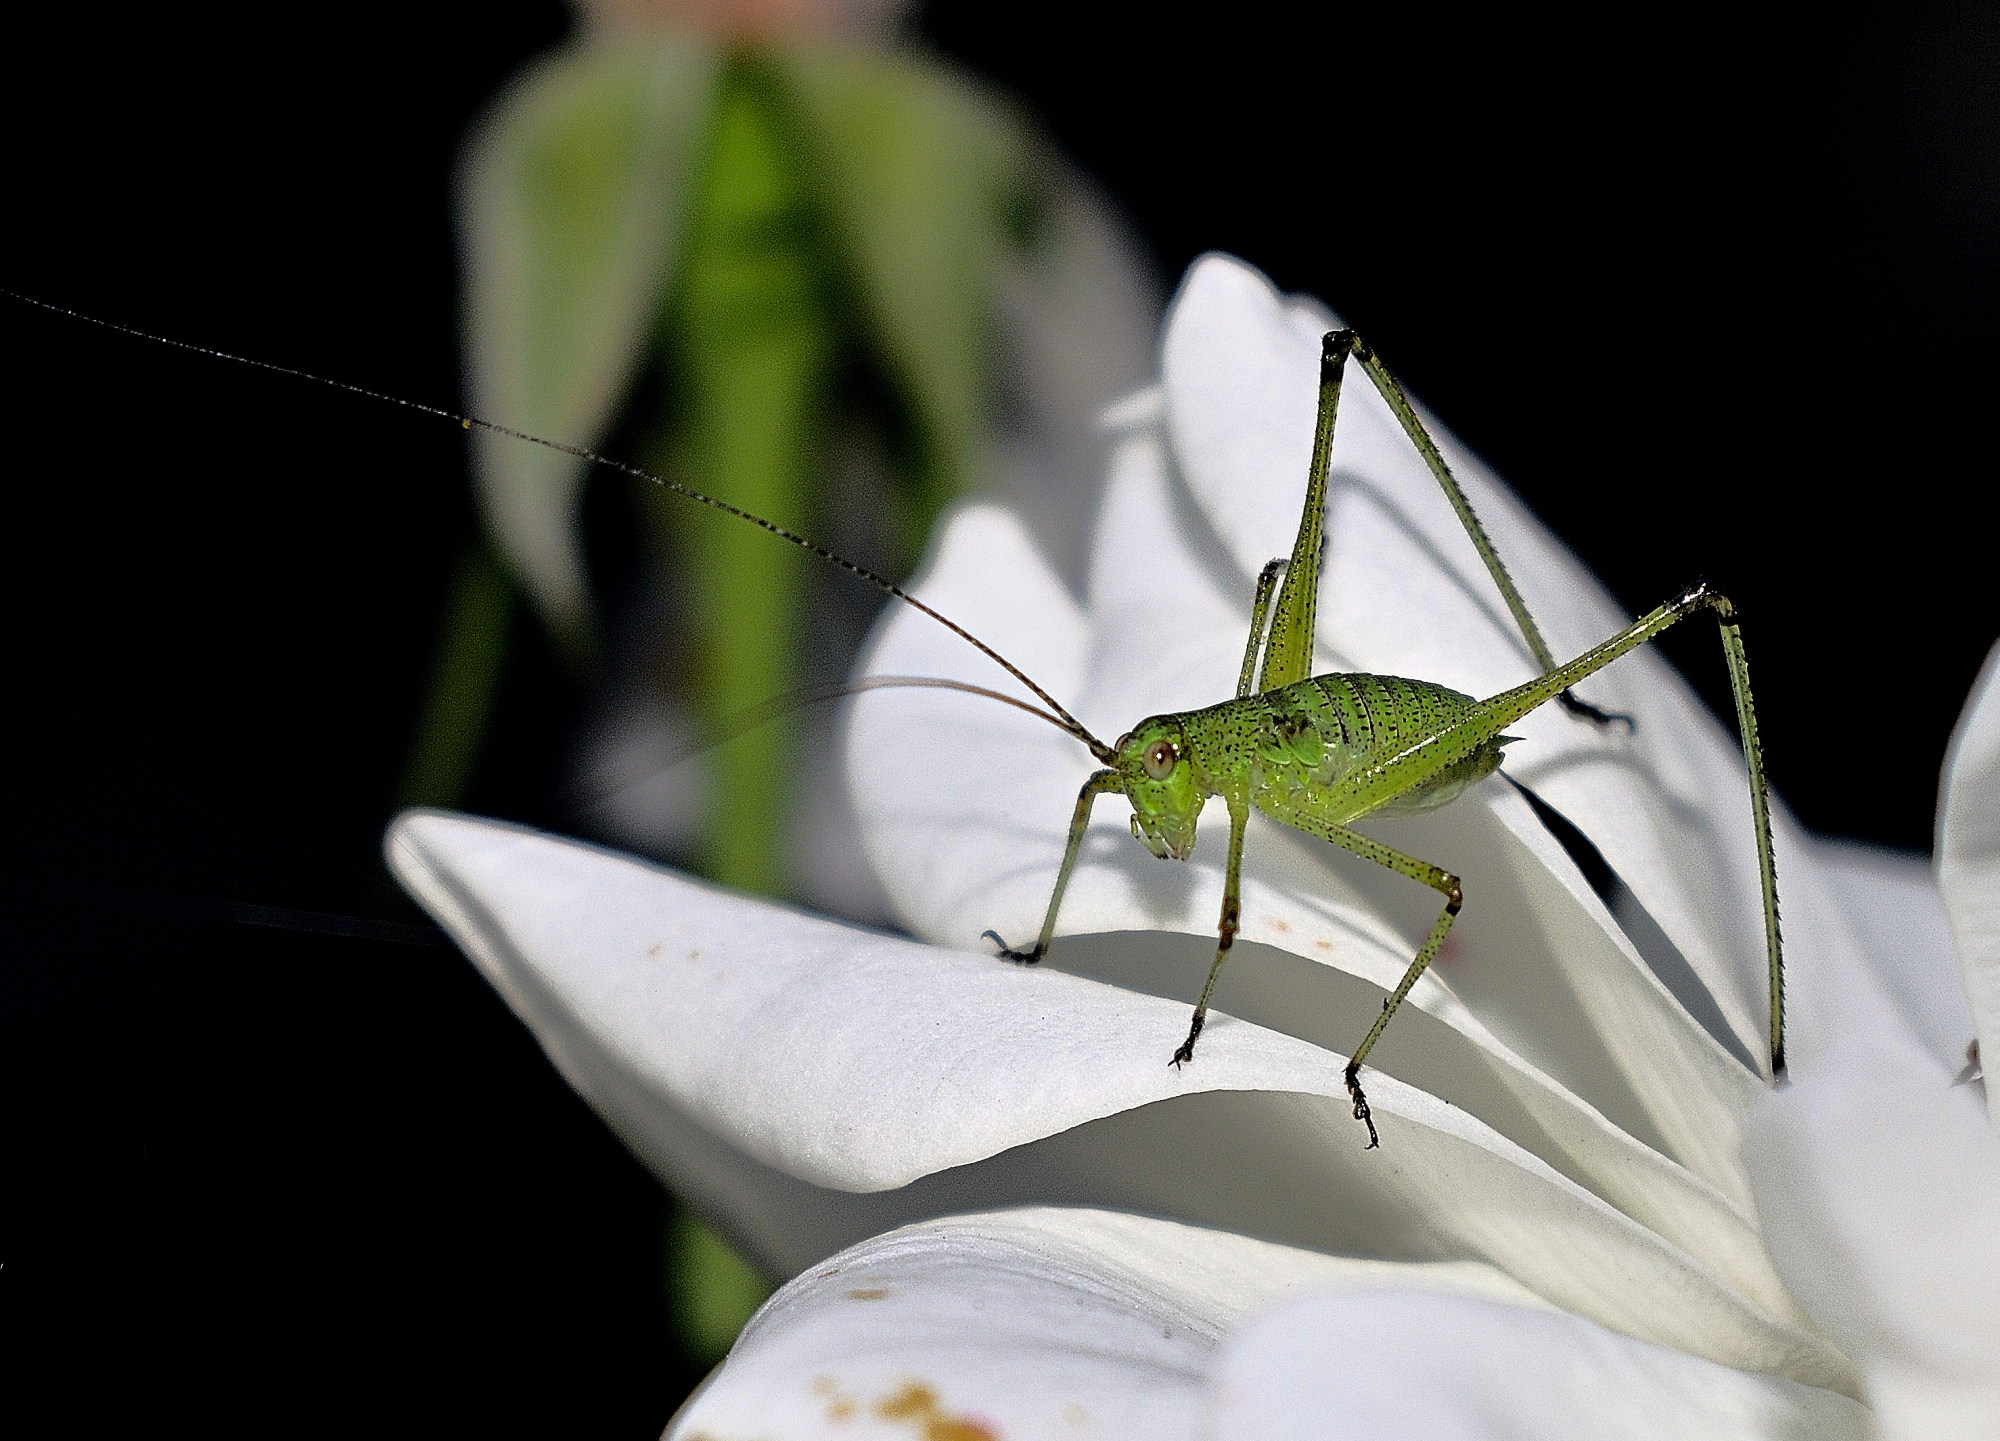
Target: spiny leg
{"type": "Point", "coordinates": [1509, 706]}
{"type": "Point", "coordinates": [1259, 607]}
{"type": "Point", "coordinates": [1454, 899]}
{"type": "Point", "coordinates": [1226, 927]}
{"type": "Point", "coordinates": [1288, 654]}
{"type": "Point", "coordinates": [1413, 427]}
{"type": "Point", "coordinates": [1097, 785]}
{"type": "Point", "coordinates": [1760, 812]}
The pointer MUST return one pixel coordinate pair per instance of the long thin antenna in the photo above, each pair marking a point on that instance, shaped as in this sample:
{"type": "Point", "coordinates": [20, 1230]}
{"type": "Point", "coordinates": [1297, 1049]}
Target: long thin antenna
{"type": "Point", "coordinates": [1067, 721]}
{"type": "Point", "coordinates": [747, 720]}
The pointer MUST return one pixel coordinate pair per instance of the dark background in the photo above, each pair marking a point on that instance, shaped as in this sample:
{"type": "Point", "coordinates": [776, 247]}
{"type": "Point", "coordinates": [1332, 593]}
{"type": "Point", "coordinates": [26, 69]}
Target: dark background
{"type": "Point", "coordinates": [1717, 298]}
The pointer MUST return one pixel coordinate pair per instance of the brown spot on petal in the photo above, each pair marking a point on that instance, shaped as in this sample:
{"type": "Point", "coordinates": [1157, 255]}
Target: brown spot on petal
{"type": "Point", "coordinates": [653, 951]}
{"type": "Point", "coordinates": [1279, 924]}
{"type": "Point", "coordinates": [867, 1293]}
{"type": "Point", "coordinates": [918, 1405]}
{"type": "Point", "coordinates": [1323, 944]}
{"type": "Point", "coordinates": [839, 1407]}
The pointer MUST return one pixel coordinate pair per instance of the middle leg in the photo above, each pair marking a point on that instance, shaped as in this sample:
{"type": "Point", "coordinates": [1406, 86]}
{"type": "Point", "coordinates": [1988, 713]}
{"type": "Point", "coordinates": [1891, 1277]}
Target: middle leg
{"type": "Point", "coordinates": [1438, 879]}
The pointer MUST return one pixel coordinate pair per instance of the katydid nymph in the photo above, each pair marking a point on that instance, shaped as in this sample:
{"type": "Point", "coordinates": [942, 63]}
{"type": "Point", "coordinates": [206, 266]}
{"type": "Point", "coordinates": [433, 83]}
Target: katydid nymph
{"type": "Point", "coordinates": [1316, 753]}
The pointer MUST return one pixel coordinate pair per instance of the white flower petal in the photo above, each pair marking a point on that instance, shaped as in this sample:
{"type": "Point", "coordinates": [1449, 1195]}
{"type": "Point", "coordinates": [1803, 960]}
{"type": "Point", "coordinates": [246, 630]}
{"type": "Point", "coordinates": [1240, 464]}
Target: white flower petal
{"type": "Point", "coordinates": [1455, 1368]}
{"type": "Point", "coordinates": [1240, 371]}
{"type": "Point", "coordinates": [925, 766]}
{"type": "Point", "coordinates": [1037, 1322]}
{"type": "Point", "coordinates": [1968, 860]}
{"type": "Point", "coordinates": [1904, 933]}
{"type": "Point", "coordinates": [1165, 635]}
{"type": "Point", "coordinates": [849, 1059]}
{"type": "Point", "coordinates": [1878, 1184]}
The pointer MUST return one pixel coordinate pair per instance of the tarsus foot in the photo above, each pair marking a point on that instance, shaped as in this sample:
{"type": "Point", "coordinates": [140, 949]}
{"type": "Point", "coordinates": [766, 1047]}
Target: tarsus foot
{"type": "Point", "coordinates": [1361, 1111]}
{"type": "Point", "coordinates": [1008, 953]}
{"type": "Point", "coordinates": [1186, 1052]}
{"type": "Point", "coordinates": [1577, 705]}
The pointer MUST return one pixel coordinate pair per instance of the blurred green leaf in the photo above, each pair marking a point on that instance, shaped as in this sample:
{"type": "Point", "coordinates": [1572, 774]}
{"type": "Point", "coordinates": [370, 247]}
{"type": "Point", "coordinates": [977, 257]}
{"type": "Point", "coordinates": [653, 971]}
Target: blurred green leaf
{"type": "Point", "coordinates": [714, 1289]}
{"type": "Point", "coordinates": [574, 200]}
{"type": "Point", "coordinates": [924, 176]}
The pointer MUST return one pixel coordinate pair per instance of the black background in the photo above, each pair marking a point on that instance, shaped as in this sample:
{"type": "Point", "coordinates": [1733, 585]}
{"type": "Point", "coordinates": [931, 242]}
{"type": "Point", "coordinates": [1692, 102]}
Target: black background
{"type": "Point", "coordinates": [1718, 297]}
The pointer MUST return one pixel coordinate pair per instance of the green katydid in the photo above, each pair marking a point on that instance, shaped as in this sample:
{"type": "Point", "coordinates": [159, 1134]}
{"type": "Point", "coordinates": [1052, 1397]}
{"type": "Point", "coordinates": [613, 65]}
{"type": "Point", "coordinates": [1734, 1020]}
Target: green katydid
{"type": "Point", "coordinates": [1314, 752]}
{"type": "Point", "coordinates": [1320, 752]}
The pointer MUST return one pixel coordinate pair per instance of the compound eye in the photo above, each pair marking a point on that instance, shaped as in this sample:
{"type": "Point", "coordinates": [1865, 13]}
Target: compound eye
{"type": "Point", "coordinates": [1161, 758]}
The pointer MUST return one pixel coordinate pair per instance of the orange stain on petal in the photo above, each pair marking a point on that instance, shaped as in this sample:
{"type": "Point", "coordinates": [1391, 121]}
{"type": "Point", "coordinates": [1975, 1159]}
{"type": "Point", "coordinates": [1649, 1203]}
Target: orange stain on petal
{"type": "Point", "coordinates": [918, 1405]}
{"type": "Point", "coordinates": [838, 1407]}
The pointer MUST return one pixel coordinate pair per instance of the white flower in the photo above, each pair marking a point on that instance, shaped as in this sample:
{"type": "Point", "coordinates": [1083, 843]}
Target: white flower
{"type": "Point", "coordinates": [1879, 1180]}
{"type": "Point", "coordinates": [1053, 1232]}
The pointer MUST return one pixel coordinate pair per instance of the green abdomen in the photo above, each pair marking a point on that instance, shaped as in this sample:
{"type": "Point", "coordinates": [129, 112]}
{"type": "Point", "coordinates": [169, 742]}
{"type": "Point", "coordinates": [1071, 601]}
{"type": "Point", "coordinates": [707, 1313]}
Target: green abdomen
{"type": "Point", "coordinates": [1315, 738]}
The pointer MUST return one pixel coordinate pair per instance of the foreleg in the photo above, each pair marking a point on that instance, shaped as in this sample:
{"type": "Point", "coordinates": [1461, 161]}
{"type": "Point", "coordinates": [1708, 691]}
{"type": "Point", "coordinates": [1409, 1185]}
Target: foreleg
{"type": "Point", "coordinates": [1097, 785]}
